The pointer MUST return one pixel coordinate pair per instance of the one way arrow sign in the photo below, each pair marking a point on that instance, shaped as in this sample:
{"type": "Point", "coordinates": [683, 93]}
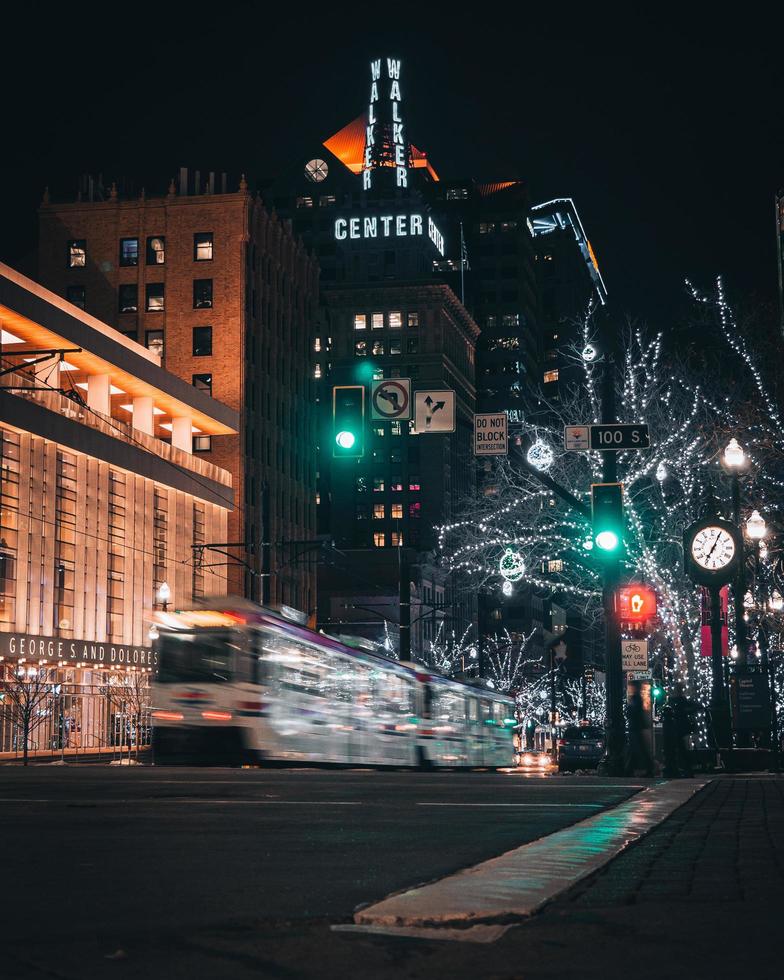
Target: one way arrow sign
{"type": "Point", "coordinates": [434, 411]}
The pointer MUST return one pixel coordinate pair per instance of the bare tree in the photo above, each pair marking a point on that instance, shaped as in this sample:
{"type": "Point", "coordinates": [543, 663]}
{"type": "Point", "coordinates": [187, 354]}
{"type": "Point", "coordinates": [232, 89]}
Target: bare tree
{"type": "Point", "coordinates": [26, 689]}
{"type": "Point", "coordinates": [129, 694]}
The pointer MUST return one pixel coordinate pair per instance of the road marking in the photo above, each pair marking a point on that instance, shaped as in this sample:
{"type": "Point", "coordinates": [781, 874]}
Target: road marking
{"type": "Point", "coordinates": [517, 884]}
{"type": "Point", "coordinates": [592, 806]}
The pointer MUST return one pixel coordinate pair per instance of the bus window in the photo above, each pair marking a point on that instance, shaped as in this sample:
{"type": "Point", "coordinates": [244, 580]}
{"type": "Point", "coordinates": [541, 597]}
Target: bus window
{"type": "Point", "coordinates": [427, 700]}
{"type": "Point", "coordinates": [473, 713]}
{"type": "Point", "coordinates": [205, 657]}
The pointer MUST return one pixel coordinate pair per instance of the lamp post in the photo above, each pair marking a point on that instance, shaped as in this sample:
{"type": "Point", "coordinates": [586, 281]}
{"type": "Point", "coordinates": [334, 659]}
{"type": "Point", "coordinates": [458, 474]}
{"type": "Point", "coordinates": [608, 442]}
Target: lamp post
{"type": "Point", "coordinates": [163, 595]}
{"type": "Point", "coordinates": [734, 461]}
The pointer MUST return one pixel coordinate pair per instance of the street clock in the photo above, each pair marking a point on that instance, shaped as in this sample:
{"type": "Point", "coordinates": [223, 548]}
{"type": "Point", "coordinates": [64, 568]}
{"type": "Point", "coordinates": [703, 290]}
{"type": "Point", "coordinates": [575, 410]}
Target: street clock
{"type": "Point", "coordinates": [712, 550]}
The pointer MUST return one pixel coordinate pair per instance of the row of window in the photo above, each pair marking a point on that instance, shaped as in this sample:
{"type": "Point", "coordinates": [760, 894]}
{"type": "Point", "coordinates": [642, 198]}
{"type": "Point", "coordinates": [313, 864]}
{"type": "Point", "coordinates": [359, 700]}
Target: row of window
{"type": "Point", "coordinates": [201, 343]}
{"type": "Point", "coordinates": [381, 512]}
{"type": "Point", "coordinates": [155, 253]}
{"type": "Point", "coordinates": [379, 484]}
{"type": "Point", "coordinates": [488, 227]}
{"type": "Point", "coordinates": [393, 320]}
{"type": "Point", "coordinates": [324, 201]}
{"type": "Point", "coordinates": [154, 296]}
{"type": "Point", "coordinates": [380, 347]}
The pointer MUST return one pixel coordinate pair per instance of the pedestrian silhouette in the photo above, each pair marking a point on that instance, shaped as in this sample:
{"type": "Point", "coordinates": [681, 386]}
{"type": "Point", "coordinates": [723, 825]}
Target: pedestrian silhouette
{"type": "Point", "coordinates": [638, 755]}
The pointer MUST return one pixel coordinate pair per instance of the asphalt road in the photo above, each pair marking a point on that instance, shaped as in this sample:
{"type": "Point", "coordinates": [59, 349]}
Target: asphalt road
{"type": "Point", "coordinates": [99, 851]}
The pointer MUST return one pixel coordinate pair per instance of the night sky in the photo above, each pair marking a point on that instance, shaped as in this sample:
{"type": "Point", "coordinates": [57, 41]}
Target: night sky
{"type": "Point", "coordinates": [665, 129]}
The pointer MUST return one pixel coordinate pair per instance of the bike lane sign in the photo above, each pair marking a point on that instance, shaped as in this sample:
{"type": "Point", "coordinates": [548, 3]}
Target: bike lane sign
{"type": "Point", "coordinates": [634, 655]}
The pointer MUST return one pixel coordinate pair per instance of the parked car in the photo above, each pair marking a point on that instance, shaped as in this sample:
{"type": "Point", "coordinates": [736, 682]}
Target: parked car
{"type": "Point", "coordinates": [580, 747]}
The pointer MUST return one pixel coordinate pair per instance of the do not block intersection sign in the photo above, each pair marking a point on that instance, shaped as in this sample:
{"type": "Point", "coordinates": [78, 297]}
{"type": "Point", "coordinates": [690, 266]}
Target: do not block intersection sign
{"type": "Point", "coordinates": [491, 434]}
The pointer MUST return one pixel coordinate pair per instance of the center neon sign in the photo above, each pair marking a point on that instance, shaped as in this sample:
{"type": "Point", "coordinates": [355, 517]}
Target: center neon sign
{"type": "Point", "coordinates": [389, 226]}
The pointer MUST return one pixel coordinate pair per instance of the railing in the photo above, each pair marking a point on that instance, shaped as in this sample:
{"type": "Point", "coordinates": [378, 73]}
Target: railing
{"type": "Point", "coordinates": [116, 428]}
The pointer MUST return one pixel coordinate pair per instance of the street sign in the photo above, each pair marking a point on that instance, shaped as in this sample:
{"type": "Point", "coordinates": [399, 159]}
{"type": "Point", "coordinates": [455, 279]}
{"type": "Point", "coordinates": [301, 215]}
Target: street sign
{"type": "Point", "coordinates": [390, 400]}
{"type": "Point", "coordinates": [491, 434]}
{"type": "Point", "coordinates": [577, 437]}
{"type": "Point", "coordinates": [620, 437]}
{"type": "Point", "coordinates": [606, 436]}
{"type": "Point", "coordinates": [434, 411]}
{"type": "Point", "coordinates": [634, 655]}
{"type": "Point", "coordinates": [639, 675]}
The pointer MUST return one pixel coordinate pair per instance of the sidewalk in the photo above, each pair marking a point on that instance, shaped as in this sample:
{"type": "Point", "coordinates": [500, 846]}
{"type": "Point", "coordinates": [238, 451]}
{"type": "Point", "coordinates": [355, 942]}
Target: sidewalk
{"type": "Point", "coordinates": [700, 897]}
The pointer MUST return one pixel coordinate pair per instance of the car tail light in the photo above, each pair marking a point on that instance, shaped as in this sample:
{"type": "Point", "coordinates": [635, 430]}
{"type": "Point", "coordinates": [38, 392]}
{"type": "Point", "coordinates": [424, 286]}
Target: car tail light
{"type": "Point", "coordinates": [216, 715]}
{"type": "Point", "coordinates": [167, 715]}
{"type": "Point", "coordinates": [561, 741]}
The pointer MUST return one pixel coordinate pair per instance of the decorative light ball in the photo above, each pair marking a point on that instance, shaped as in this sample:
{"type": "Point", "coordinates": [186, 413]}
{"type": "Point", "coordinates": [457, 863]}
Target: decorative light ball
{"type": "Point", "coordinates": [511, 565]}
{"type": "Point", "coordinates": [776, 600]}
{"type": "Point", "coordinates": [540, 455]}
{"type": "Point", "coordinates": [748, 600]}
{"type": "Point", "coordinates": [661, 473]}
{"type": "Point", "coordinates": [588, 544]}
{"type": "Point", "coordinates": [506, 588]}
{"type": "Point", "coordinates": [589, 353]}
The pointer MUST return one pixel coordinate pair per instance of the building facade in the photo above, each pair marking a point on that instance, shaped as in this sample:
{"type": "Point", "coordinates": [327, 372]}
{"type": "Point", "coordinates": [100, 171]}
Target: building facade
{"type": "Point", "coordinates": [222, 291]}
{"type": "Point", "coordinates": [102, 501]}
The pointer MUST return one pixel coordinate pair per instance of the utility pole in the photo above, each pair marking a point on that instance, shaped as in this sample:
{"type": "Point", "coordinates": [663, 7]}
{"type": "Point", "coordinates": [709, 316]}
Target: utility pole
{"type": "Point", "coordinates": [616, 734]}
{"type": "Point", "coordinates": [404, 592]}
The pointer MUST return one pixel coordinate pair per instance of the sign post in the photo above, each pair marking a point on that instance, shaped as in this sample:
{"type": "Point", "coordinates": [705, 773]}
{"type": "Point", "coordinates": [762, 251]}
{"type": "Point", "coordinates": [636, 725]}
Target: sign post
{"type": "Point", "coordinates": [491, 434]}
{"type": "Point", "coordinates": [434, 411]}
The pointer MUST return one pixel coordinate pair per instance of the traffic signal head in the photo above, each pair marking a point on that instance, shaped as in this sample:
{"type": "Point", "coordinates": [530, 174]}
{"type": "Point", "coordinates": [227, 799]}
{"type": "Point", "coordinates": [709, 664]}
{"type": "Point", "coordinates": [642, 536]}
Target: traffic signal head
{"type": "Point", "coordinates": [657, 691]}
{"type": "Point", "coordinates": [348, 421]}
{"type": "Point", "coordinates": [636, 603]}
{"type": "Point", "coordinates": [607, 517]}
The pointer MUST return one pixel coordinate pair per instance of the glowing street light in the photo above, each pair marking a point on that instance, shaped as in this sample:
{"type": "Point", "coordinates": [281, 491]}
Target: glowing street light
{"type": "Point", "coordinates": [756, 528]}
{"type": "Point", "coordinates": [734, 456]}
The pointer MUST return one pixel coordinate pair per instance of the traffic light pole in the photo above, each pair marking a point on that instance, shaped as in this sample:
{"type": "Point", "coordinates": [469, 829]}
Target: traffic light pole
{"type": "Point", "coordinates": [613, 763]}
{"type": "Point", "coordinates": [404, 627]}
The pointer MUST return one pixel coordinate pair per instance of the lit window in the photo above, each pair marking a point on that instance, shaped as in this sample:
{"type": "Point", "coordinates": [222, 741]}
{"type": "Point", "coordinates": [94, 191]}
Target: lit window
{"type": "Point", "coordinates": [76, 295]}
{"type": "Point", "coordinates": [360, 348]}
{"type": "Point", "coordinates": [129, 298]}
{"type": "Point", "coordinates": [511, 319]}
{"type": "Point", "coordinates": [508, 225]}
{"type": "Point", "coordinates": [490, 321]}
{"type": "Point", "coordinates": [317, 344]}
{"type": "Point", "coordinates": [378, 321]}
{"type": "Point", "coordinates": [316, 170]}
{"type": "Point", "coordinates": [202, 246]}
{"type": "Point", "coordinates": [413, 319]}
{"type": "Point", "coordinates": [396, 539]}
{"type": "Point", "coordinates": [317, 371]}
{"type": "Point", "coordinates": [396, 486]}
{"type": "Point", "coordinates": [379, 539]}
{"type": "Point", "coordinates": [457, 194]}
{"type": "Point", "coordinates": [379, 512]}
{"type": "Point", "coordinates": [486, 227]}
{"type": "Point", "coordinates": [305, 202]}
{"type": "Point", "coordinates": [551, 375]}
{"type": "Point", "coordinates": [202, 294]}
{"type": "Point", "coordinates": [396, 347]}
{"type": "Point", "coordinates": [77, 253]}
{"type": "Point", "coordinates": [360, 321]}
{"type": "Point", "coordinates": [378, 348]}
{"type": "Point", "coordinates": [361, 512]}
{"type": "Point", "coordinates": [413, 483]}
{"type": "Point", "coordinates": [379, 430]}
{"type": "Point", "coordinates": [202, 444]}
{"type": "Point", "coordinates": [202, 341]}
{"type": "Point", "coordinates": [153, 341]}
{"type": "Point", "coordinates": [129, 251]}
{"type": "Point", "coordinates": [395, 321]}
{"type": "Point", "coordinates": [378, 484]}
{"type": "Point", "coordinates": [415, 509]}
{"type": "Point", "coordinates": [397, 511]}
{"type": "Point", "coordinates": [155, 300]}
{"type": "Point", "coordinates": [326, 200]}
{"type": "Point", "coordinates": [394, 428]}
{"type": "Point", "coordinates": [156, 250]}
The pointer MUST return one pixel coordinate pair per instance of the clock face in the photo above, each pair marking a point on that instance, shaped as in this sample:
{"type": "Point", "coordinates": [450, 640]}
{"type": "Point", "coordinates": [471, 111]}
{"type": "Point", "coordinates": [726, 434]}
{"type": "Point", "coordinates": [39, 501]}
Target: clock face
{"type": "Point", "coordinates": [317, 170]}
{"type": "Point", "coordinates": [713, 548]}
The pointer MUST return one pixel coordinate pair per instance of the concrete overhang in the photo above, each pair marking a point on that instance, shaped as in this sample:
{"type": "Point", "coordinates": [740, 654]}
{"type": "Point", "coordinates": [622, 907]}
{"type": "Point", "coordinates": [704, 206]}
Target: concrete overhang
{"type": "Point", "coordinates": [41, 320]}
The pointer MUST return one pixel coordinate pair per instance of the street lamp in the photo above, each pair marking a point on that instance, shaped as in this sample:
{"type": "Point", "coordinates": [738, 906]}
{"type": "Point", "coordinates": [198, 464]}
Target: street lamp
{"type": "Point", "coordinates": [733, 461]}
{"type": "Point", "coordinates": [164, 594]}
{"type": "Point", "coordinates": [756, 528]}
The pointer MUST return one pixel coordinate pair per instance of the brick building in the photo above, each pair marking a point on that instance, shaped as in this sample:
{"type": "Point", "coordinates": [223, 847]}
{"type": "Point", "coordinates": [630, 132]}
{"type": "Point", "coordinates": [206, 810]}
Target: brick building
{"type": "Point", "coordinates": [223, 292]}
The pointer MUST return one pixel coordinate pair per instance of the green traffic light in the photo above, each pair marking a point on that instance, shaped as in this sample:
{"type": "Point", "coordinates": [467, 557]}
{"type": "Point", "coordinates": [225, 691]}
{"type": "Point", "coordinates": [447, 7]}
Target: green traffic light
{"type": "Point", "coordinates": [345, 439]}
{"type": "Point", "coordinates": [607, 540]}
{"type": "Point", "coordinates": [657, 692]}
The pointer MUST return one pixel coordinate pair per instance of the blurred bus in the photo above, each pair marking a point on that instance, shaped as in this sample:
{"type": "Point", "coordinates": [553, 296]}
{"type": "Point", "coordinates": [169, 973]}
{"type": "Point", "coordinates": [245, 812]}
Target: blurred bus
{"type": "Point", "coordinates": [243, 684]}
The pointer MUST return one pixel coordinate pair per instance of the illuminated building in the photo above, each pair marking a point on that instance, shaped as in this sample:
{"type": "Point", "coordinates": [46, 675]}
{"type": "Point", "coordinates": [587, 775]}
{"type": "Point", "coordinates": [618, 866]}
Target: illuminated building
{"type": "Point", "coordinates": [102, 500]}
{"type": "Point", "coordinates": [227, 295]}
{"type": "Point", "coordinates": [570, 284]}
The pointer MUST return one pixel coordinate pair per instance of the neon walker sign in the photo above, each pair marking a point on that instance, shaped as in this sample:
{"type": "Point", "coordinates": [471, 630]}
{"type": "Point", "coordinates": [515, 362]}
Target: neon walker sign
{"type": "Point", "coordinates": [389, 226]}
{"type": "Point", "coordinates": [390, 122]}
